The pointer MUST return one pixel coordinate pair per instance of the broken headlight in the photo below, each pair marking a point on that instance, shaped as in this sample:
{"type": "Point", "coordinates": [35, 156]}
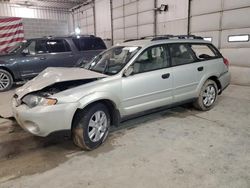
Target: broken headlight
{"type": "Point", "coordinates": [34, 100]}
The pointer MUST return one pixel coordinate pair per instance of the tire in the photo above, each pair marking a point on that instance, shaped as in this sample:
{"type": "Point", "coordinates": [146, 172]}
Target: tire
{"type": "Point", "coordinates": [207, 97]}
{"type": "Point", "coordinates": [91, 126]}
{"type": "Point", "coordinates": [6, 80]}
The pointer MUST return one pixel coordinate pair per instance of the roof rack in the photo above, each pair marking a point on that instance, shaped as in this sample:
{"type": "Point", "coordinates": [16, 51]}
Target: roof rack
{"type": "Point", "coordinates": [164, 37]}
{"type": "Point", "coordinates": [129, 40]}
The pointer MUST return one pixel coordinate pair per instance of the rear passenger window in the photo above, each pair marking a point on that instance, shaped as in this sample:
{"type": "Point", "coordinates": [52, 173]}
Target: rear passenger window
{"type": "Point", "coordinates": [85, 44]}
{"type": "Point", "coordinates": [181, 54]}
{"type": "Point", "coordinates": [204, 51]}
{"type": "Point", "coordinates": [55, 46]}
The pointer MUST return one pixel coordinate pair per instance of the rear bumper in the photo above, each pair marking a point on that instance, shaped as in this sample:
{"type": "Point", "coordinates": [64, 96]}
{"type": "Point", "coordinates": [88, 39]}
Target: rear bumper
{"type": "Point", "coordinates": [225, 79]}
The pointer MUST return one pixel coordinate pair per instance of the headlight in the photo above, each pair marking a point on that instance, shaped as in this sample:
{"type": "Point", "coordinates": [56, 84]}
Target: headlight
{"type": "Point", "coordinates": [33, 100]}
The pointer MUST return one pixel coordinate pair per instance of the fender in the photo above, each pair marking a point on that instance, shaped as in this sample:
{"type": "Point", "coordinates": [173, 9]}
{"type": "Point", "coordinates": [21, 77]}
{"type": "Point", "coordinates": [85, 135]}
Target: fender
{"type": "Point", "coordinates": [203, 80]}
{"type": "Point", "coordinates": [96, 96]}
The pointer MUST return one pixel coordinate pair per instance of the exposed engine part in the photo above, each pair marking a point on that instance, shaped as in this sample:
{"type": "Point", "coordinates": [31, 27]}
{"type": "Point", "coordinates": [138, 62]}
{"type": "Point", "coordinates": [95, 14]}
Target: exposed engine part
{"type": "Point", "coordinates": [61, 86]}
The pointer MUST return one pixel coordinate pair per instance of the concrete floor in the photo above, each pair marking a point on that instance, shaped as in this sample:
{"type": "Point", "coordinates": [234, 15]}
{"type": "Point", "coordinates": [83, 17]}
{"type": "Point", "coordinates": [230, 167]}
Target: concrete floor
{"type": "Point", "coordinates": [180, 147]}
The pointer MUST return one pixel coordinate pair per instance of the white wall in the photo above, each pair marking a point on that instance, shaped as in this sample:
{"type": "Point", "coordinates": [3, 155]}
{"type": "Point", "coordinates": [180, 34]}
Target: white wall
{"type": "Point", "coordinates": [84, 19]}
{"type": "Point", "coordinates": [132, 19]}
{"type": "Point", "coordinates": [219, 19]}
{"type": "Point", "coordinates": [103, 18]}
{"type": "Point", "coordinates": [43, 27]}
{"type": "Point", "coordinates": [175, 20]}
{"type": "Point", "coordinates": [38, 23]}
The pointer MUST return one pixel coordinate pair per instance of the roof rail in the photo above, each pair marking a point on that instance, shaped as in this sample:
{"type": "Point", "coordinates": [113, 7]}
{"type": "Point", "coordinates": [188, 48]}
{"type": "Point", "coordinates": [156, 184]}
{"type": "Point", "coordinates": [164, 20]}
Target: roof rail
{"type": "Point", "coordinates": [129, 40]}
{"type": "Point", "coordinates": [162, 37]}
{"type": "Point", "coordinates": [189, 36]}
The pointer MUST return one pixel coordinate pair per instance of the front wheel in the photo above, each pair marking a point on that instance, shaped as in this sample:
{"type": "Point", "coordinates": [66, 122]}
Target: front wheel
{"type": "Point", "coordinates": [6, 80]}
{"type": "Point", "coordinates": [91, 126]}
{"type": "Point", "coordinates": [207, 97]}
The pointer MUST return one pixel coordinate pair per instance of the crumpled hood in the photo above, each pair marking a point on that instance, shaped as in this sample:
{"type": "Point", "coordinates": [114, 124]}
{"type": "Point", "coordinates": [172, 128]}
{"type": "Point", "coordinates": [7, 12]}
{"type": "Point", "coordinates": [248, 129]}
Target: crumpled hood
{"type": "Point", "coordinates": [51, 76]}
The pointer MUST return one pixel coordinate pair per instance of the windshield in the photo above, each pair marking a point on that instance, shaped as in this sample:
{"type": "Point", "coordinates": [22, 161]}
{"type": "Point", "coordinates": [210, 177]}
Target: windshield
{"type": "Point", "coordinates": [17, 47]}
{"type": "Point", "coordinates": [113, 60]}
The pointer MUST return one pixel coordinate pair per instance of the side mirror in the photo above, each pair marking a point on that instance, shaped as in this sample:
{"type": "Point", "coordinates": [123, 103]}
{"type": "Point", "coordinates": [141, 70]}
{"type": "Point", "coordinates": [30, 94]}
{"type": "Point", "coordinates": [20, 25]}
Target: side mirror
{"type": "Point", "coordinates": [25, 51]}
{"type": "Point", "coordinates": [128, 71]}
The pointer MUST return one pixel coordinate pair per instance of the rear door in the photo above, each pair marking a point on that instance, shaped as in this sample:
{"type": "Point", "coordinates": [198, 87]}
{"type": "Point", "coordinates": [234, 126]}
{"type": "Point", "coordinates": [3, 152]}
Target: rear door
{"type": "Point", "coordinates": [88, 48]}
{"type": "Point", "coordinates": [150, 86]}
{"type": "Point", "coordinates": [60, 54]}
{"type": "Point", "coordinates": [185, 71]}
{"type": "Point", "coordinates": [191, 63]}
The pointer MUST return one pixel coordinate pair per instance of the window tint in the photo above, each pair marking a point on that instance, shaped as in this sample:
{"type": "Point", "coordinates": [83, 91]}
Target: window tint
{"type": "Point", "coordinates": [180, 54]}
{"type": "Point", "coordinates": [55, 46]}
{"type": "Point", "coordinates": [203, 51]}
{"type": "Point", "coordinates": [41, 47]}
{"type": "Point", "coordinates": [152, 59]}
{"type": "Point", "coordinates": [37, 47]}
{"type": "Point", "coordinates": [84, 44]}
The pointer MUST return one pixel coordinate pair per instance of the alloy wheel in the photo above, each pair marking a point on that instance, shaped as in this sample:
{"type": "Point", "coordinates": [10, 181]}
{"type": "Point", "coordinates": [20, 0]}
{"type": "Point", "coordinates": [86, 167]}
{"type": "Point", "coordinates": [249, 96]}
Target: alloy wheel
{"type": "Point", "coordinates": [4, 81]}
{"type": "Point", "coordinates": [97, 126]}
{"type": "Point", "coordinates": [209, 95]}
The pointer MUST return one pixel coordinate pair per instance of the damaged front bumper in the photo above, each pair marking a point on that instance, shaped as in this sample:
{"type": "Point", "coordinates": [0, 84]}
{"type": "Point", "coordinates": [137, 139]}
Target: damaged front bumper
{"type": "Point", "coordinates": [43, 120]}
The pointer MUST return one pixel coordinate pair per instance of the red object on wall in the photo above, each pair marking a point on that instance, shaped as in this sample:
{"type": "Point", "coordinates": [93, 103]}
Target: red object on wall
{"type": "Point", "coordinates": [11, 32]}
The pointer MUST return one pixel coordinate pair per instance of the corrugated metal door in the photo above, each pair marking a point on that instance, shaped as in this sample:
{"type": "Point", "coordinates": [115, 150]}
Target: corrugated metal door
{"type": "Point", "coordinates": [219, 20]}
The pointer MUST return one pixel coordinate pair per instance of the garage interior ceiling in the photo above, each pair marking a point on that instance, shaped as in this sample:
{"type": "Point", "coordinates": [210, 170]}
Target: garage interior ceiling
{"type": "Point", "coordinates": [62, 4]}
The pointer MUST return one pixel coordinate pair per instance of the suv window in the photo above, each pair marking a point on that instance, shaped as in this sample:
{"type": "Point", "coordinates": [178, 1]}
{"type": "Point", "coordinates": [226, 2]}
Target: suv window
{"type": "Point", "coordinates": [37, 47]}
{"type": "Point", "coordinates": [84, 44]}
{"type": "Point", "coordinates": [181, 54]}
{"type": "Point", "coordinates": [55, 46]}
{"type": "Point", "coordinates": [204, 51]}
{"type": "Point", "coordinates": [153, 58]}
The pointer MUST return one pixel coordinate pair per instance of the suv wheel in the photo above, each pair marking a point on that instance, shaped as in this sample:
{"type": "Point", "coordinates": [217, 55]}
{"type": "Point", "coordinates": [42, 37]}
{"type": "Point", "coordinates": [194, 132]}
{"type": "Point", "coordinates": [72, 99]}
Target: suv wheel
{"type": "Point", "coordinates": [207, 97]}
{"type": "Point", "coordinates": [91, 127]}
{"type": "Point", "coordinates": [6, 80]}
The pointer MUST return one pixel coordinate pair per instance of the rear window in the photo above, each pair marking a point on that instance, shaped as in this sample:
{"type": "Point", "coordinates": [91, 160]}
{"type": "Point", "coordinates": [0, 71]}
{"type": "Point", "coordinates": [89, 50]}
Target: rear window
{"type": "Point", "coordinates": [204, 51]}
{"type": "Point", "coordinates": [188, 53]}
{"type": "Point", "coordinates": [85, 44]}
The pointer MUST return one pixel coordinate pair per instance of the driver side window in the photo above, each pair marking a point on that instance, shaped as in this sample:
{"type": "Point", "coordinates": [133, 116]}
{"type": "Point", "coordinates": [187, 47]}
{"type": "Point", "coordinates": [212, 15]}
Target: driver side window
{"type": "Point", "coordinates": [37, 47]}
{"type": "Point", "coordinates": [153, 58]}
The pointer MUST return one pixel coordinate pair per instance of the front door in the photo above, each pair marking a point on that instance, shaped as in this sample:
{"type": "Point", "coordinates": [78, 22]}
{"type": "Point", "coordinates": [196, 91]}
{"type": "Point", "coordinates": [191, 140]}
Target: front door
{"type": "Point", "coordinates": [150, 85]}
{"type": "Point", "coordinates": [33, 59]}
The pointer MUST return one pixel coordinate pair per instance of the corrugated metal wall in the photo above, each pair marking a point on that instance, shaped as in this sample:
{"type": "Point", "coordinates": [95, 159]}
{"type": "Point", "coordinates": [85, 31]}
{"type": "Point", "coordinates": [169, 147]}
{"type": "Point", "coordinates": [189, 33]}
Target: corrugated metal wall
{"type": "Point", "coordinates": [103, 18]}
{"type": "Point", "coordinates": [38, 22]}
{"type": "Point", "coordinates": [84, 19]}
{"type": "Point", "coordinates": [132, 19]}
{"type": "Point", "coordinates": [175, 20]}
{"type": "Point", "coordinates": [219, 19]}
{"type": "Point", "coordinates": [15, 11]}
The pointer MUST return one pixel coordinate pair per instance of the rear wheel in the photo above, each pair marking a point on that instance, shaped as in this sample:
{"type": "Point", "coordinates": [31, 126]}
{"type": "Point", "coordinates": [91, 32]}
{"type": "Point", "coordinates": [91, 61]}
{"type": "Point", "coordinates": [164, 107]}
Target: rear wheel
{"type": "Point", "coordinates": [6, 80]}
{"type": "Point", "coordinates": [91, 127]}
{"type": "Point", "coordinates": [207, 97]}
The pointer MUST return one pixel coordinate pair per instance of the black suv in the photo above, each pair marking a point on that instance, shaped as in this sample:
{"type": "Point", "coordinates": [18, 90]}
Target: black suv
{"type": "Point", "coordinates": [27, 59]}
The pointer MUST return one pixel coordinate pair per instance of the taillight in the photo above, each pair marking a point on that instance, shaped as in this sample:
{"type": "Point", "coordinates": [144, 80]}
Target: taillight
{"type": "Point", "coordinates": [226, 62]}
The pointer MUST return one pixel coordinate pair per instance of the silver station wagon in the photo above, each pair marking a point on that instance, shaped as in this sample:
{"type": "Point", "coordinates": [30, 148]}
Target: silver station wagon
{"type": "Point", "coordinates": [127, 79]}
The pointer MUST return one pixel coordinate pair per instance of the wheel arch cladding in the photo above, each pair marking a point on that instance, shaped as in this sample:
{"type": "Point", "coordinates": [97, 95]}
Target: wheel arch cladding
{"type": "Point", "coordinates": [216, 80]}
{"type": "Point", "coordinates": [113, 111]}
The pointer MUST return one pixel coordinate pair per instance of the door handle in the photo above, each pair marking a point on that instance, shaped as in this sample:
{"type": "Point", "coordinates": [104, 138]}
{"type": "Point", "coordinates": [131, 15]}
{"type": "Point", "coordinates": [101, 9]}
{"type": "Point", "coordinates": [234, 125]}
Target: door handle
{"type": "Point", "coordinates": [165, 76]}
{"type": "Point", "coordinates": [200, 68]}
{"type": "Point", "coordinates": [43, 58]}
